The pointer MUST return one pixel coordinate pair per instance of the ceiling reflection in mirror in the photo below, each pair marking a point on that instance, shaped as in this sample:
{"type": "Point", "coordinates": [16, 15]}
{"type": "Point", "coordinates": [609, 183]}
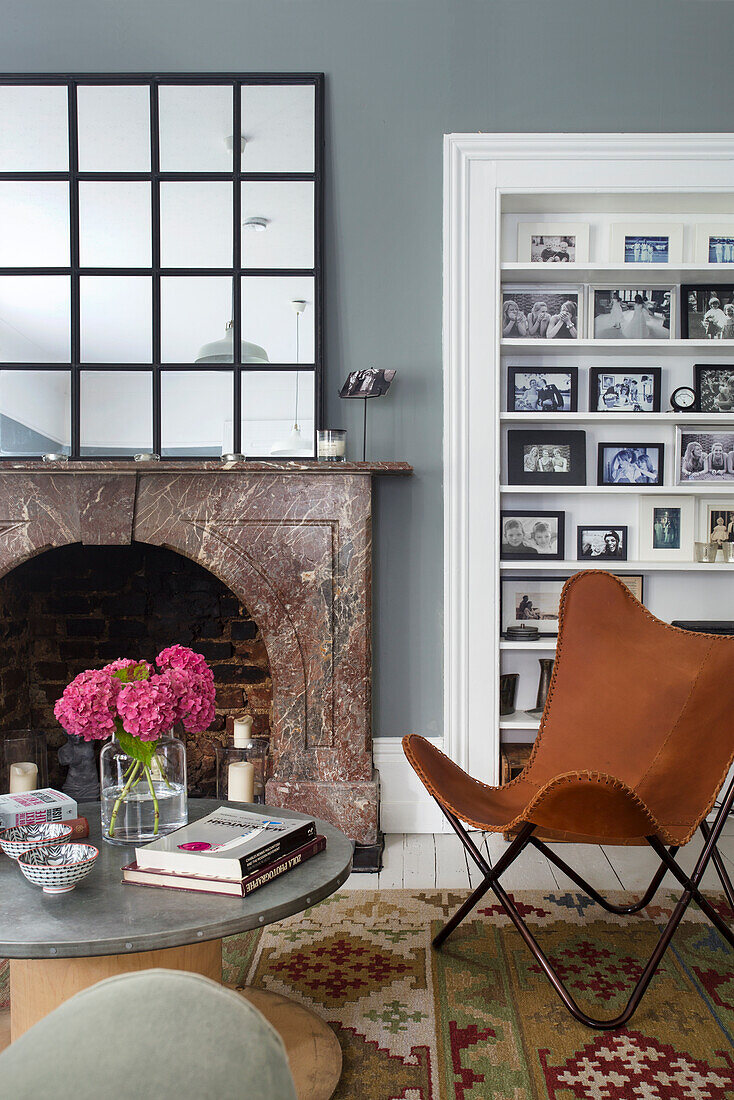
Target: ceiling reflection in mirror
{"type": "Point", "coordinates": [167, 223]}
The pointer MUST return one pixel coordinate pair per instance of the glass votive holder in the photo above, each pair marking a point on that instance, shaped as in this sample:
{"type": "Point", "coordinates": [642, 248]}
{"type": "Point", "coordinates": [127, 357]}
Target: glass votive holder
{"type": "Point", "coordinates": [332, 445]}
{"type": "Point", "coordinates": [241, 771]}
{"type": "Point", "coordinates": [55, 456]}
{"type": "Point", "coordinates": [706, 551]}
{"type": "Point", "coordinates": [147, 456]}
{"type": "Point", "coordinates": [727, 549]}
{"type": "Point", "coordinates": [24, 761]}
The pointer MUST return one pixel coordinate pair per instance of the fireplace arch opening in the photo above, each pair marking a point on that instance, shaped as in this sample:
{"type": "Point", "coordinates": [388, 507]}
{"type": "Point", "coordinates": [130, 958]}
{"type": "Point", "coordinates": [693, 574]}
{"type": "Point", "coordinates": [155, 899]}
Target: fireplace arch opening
{"type": "Point", "coordinates": [77, 607]}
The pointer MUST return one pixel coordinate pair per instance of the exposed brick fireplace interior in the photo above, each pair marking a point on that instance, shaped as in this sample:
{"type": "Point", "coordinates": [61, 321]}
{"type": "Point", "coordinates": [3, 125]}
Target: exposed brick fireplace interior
{"type": "Point", "coordinates": [78, 607]}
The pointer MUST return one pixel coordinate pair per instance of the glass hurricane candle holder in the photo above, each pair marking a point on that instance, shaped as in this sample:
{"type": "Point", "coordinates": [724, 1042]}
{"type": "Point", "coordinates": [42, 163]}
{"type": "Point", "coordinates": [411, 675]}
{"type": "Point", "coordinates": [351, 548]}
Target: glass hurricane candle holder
{"type": "Point", "coordinates": [24, 761]}
{"type": "Point", "coordinates": [332, 445]}
{"type": "Point", "coordinates": [241, 771]}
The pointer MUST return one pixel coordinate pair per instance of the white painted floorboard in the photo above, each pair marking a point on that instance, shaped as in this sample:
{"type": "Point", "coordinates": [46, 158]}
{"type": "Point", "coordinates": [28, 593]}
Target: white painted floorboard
{"type": "Point", "coordinates": [427, 861]}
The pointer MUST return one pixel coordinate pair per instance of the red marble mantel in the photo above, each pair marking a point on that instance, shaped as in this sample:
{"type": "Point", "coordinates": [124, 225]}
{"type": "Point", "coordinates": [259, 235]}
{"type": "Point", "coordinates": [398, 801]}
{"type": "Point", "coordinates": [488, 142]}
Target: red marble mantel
{"type": "Point", "coordinates": [292, 540]}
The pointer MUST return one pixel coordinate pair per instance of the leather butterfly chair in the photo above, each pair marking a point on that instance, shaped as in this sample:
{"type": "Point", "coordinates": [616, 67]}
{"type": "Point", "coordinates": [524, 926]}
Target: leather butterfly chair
{"type": "Point", "coordinates": [636, 740]}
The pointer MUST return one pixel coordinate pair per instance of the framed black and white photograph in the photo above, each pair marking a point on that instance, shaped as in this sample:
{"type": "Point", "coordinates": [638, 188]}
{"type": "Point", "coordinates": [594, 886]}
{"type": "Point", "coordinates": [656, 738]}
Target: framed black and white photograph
{"type": "Point", "coordinates": [630, 464]}
{"type": "Point", "coordinates": [552, 242]}
{"type": "Point", "coordinates": [624, 389]}
{"type": "Point", "coordinates": [371, 382]}
{"type": "Point", "coordinates": [715, 388]}
{"type": "Point", "coordinates": [666, 528]}
{"type": "Point", "coordinates": [717, 520]}
{"type": "Point", "coordinates": [546, 391]}
{"type": "Point", "coordinates": [539, 313]}
{"type": "Point", "coordinates": [602, 543]}
{"type": "Point", "coordinates": [705, 454]}
{"type": "Point", "coordinates": [707, 312]}
{"type": "Point", "coordinates": [525, 535]}
{"type": "Point", "coordinates": [531, 600]}
{"type": "Point", "coordinates": [715, 243]}
{"type": "Point", "coordinates": [632, 313]}
{"type": "Point", "coordinates": [546, 458]}
{"type": "Point", "coordinates": [646, 243]}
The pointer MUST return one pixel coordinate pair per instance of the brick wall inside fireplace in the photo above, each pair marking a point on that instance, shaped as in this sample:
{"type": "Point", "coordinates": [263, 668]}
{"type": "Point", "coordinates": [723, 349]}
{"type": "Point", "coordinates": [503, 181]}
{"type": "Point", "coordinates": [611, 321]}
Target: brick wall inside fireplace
{"type": "Point", "coordinates": [79, 606]}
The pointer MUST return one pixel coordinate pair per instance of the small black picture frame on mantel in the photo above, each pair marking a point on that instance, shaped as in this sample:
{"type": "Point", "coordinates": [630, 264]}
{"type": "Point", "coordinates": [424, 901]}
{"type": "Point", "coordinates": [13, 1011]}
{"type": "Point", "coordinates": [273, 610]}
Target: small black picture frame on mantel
{"type": "Point", "coordinates": [542, 391]}
{"type": "Point", "coordinates": [637, 463]}
{"type": "Point", "coordinates": [624, 389]}
{"type": "Point", "coordinates": [714, 387]}
{"type": "Point", "coordinates": [546, 457]}
{"type": "Point", "coordinates": [529, 534]}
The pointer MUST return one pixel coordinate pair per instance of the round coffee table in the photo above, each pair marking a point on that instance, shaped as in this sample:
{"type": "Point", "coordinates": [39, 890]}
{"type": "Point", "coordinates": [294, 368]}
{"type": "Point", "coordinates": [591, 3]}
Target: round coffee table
{"type": "Point", "coordinates": [60, 944]}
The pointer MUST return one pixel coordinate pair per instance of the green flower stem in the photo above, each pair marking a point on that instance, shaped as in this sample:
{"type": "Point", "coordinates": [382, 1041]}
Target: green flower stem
{"type": "Point", "coordinates": [159, 761]}
{"type": "Point", "coordinates": [122, 796]}
{"type": "Point", "coordinates": [149, 777]}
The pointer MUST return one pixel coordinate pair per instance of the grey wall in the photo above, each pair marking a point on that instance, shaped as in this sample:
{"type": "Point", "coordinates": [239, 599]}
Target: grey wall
{"type": "Point", "coordinates": [400, 74]}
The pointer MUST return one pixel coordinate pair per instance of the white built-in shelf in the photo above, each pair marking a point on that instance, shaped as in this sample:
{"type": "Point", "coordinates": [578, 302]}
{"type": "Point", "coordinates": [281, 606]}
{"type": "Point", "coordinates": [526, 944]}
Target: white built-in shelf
{"type": "Point", "coordinates": [701, 488]}
{"type": "Point", "coordinates": [608, 418]}
{"type": "Point", "coordinates": [520, 720]}
{"type": "Point", "coordinates": [624, 274]}
{"type": "Point", "coordinates": [614, 566]}
{"type": "Point", "coordinates": [548, 646]}
{"type": "Point", "coordinates": [616, 347]}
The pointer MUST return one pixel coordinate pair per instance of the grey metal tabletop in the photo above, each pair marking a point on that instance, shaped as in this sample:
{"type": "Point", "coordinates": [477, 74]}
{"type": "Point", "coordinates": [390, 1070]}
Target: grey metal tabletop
{"type": "Point", "coordinates": [104, 917]}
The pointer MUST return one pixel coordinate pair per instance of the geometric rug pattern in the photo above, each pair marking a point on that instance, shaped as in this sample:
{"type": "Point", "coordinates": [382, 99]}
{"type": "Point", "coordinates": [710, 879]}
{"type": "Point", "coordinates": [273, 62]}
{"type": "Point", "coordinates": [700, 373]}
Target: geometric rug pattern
{"type": "Point", "coordinates": [478, 1020]}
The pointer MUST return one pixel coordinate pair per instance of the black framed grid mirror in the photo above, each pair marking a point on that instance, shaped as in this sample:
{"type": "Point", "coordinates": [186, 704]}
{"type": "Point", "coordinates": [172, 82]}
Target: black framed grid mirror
{"type": "Point", "coordinates": [161, 282]}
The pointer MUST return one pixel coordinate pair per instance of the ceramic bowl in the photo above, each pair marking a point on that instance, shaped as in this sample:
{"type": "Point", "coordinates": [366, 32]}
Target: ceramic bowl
{"type": "Point", "coordinates": [21, 838]}
{"type": "Point", "coordinates": [58, 869]}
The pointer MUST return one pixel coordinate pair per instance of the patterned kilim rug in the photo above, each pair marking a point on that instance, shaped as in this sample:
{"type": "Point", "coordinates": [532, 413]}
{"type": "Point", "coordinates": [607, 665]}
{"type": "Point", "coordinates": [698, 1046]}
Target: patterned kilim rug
{"type": "Point", "coordinates": [479, 1021]}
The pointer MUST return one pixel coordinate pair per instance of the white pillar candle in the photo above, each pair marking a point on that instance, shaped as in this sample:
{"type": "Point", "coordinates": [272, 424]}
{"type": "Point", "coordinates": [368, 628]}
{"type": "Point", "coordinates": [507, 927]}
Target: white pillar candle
{"type": "Point", "coordinates": [242, 730]}
{"type": "Point", "coordinates": [241, 781]}
{"type": "Point", "coordinates": [23, 777]}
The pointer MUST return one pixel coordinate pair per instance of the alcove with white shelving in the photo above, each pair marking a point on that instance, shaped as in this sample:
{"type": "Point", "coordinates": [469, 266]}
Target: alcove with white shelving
{"type": "Point", "coordinates": [494, 184]}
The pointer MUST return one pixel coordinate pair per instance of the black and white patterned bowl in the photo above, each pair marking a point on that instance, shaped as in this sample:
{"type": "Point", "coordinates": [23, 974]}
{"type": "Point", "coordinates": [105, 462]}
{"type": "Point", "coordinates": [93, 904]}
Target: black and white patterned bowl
{"type": "Point", "coordinates": [21, 838]}
{"type": "Point", "coordinates": [58, 868]}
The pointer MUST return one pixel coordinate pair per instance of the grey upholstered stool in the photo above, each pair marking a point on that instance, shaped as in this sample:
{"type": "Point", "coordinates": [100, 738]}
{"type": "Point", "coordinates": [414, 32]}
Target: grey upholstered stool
{"type": "Point", "coordinates": [159, 1033]}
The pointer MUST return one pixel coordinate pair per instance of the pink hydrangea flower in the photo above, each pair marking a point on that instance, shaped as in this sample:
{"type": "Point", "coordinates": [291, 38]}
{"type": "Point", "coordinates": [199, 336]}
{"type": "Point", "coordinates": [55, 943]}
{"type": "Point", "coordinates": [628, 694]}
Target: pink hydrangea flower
{"type": "Point", "coordinates": [147, 707]}
{"type": "Point", "coordinates": [181, 657]}
{"type": "Point", "coordinates": [201, 714]}
{"type": "Point", "coordinates": [127, 662]}
{"type": "Point", "coordinates": [197, 708]}
{"type": "Point", "coordinates": [87, 706]}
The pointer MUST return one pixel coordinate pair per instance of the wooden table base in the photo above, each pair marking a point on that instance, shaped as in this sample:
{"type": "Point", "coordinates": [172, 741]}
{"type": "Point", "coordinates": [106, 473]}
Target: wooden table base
{"type": "Point", "coordinates": [38, 986]}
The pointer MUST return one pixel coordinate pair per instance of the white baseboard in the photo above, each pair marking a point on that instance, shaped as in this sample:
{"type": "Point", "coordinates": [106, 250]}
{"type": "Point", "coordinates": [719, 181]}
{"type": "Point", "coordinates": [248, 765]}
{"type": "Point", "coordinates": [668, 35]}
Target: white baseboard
{"type": "Point", "coordinates": [405, 804]}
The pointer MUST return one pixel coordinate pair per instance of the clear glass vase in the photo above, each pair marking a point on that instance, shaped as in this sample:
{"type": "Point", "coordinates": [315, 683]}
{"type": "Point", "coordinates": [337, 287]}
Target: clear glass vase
{"type": "Point", "coordinates": [140, 804]}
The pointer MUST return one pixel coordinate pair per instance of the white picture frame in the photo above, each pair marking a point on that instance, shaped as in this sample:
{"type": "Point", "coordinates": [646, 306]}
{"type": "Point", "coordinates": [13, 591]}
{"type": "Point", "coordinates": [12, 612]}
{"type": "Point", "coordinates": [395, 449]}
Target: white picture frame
{"type": "Point", "coordinates": [627, 242]}
{"type": "Point", "coordinates": [707, 507]}
{"type": "Point", "coordinates": [533, 324]}
{"type": "Point", "coordinates": [674, 544]}
{"type": "Point", "coordinates": [601, 319]}
{"type": "Point", "coordinates": [703, 244]}
{"type": "Point", "coordinates": [526, 250]}
{"type": "Point", "coordinates": [711, 462]}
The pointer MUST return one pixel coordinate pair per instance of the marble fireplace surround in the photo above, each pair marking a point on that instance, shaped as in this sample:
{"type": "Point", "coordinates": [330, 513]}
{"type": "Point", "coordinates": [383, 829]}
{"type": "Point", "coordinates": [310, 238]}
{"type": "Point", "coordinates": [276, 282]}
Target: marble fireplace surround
{"type": "Point", "coordinates": [293, 543]}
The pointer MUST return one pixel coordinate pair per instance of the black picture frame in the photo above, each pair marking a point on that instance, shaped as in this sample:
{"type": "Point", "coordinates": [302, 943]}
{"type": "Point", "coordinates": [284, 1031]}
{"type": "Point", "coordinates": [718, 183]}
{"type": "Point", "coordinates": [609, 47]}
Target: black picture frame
{"type": "Point", "coordinates": [514, 371]}
{"type": "Point", "coordinates": [529, 553]}
{"type": "Point", "coordinates": [238, 272]}
{"type": "Point", "coordinates": [706, 401]}
{"type": "Point", "coordinates": [633, 447]}
{"type": "Point", "coordinates": [603, 529]}
{"type": "Point", "coordinates": [693, 301]}
{"type": "Point", "coordinates": [595, 386]}
{"type": "Point", "coordinates": [520, 443]}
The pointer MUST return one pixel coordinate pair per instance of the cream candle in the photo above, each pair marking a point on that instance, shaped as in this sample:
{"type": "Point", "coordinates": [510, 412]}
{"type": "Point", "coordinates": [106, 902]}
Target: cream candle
{"type": "Point", "coordinates": [23, 777]}
{"type": "Point", "coordinates": [242, 731]}
{"type": "Point", "coordinates": [241, 781]}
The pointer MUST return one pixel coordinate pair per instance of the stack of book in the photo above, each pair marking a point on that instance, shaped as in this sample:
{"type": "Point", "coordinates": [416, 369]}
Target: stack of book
{"type": "Point", "coordinates": [227, 852]}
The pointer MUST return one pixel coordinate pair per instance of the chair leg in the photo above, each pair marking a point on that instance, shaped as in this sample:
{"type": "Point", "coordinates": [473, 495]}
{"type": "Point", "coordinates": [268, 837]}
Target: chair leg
{"type": "Point", "coordinates": [620, 910]}
{"type": "Point", "coordinates": [720, 866]}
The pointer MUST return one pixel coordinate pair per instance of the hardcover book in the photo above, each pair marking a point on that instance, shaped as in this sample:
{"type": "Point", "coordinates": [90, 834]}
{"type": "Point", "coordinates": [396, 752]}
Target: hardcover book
{"type": "Point", "coordinates": [226, 844]}
{"type": "Point", "coordinates": [203, 884]}
{"type": "Point", "coordinates": [35, 808]}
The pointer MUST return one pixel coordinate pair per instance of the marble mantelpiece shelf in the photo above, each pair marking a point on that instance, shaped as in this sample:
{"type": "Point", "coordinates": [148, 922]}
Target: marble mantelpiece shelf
{"type": "Point", "coordinates": [128, 466]}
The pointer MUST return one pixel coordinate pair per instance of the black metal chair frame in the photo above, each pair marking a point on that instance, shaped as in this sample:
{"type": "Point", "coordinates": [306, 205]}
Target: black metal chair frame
{"type": "Point", "coordinates": [691, 892]}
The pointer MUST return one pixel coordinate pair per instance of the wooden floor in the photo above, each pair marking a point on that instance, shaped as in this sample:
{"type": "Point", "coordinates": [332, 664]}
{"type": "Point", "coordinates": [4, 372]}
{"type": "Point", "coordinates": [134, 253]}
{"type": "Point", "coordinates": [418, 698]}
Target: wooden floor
{"type": "Point", "coordinates": [424, 861]}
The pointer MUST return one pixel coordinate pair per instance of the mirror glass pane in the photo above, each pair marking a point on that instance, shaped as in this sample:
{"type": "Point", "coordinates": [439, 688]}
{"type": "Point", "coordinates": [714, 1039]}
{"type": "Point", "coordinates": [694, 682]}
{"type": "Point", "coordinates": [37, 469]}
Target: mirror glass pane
{"type": "Point", "coordinates": [270, 319]}
{"type": "Point", "coordinates": [196, 224]}
{"type": "Point", "coordinates": [116, 412]}
{"type": "Point", "coordinates": [195, 128]}
{"type": "Point", "coordinates": [196, 413]}
{"type": "Point", "coordinates": [35, 319]}
{"type": "Point", "coordinates": [195, 311]}
{"type": "Point", "coordinates": [278, 126]}
{"type": "Point", "coordinates": [114, 128]}
{"type": "Point", "coordinates": [278, 413]}
{"type": "Point", "coordinates": [34, 128]}
{"type": "Point", "coordinates": [114, 224]}
{"type": "Point", "coordinates": [35, 412]}
{"type": "Point", "coordinates": [116, 319]}
{"type": "Point", "coordinates": [34, 221]}
{"type": "Point", "coordinates": [287, 238]}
